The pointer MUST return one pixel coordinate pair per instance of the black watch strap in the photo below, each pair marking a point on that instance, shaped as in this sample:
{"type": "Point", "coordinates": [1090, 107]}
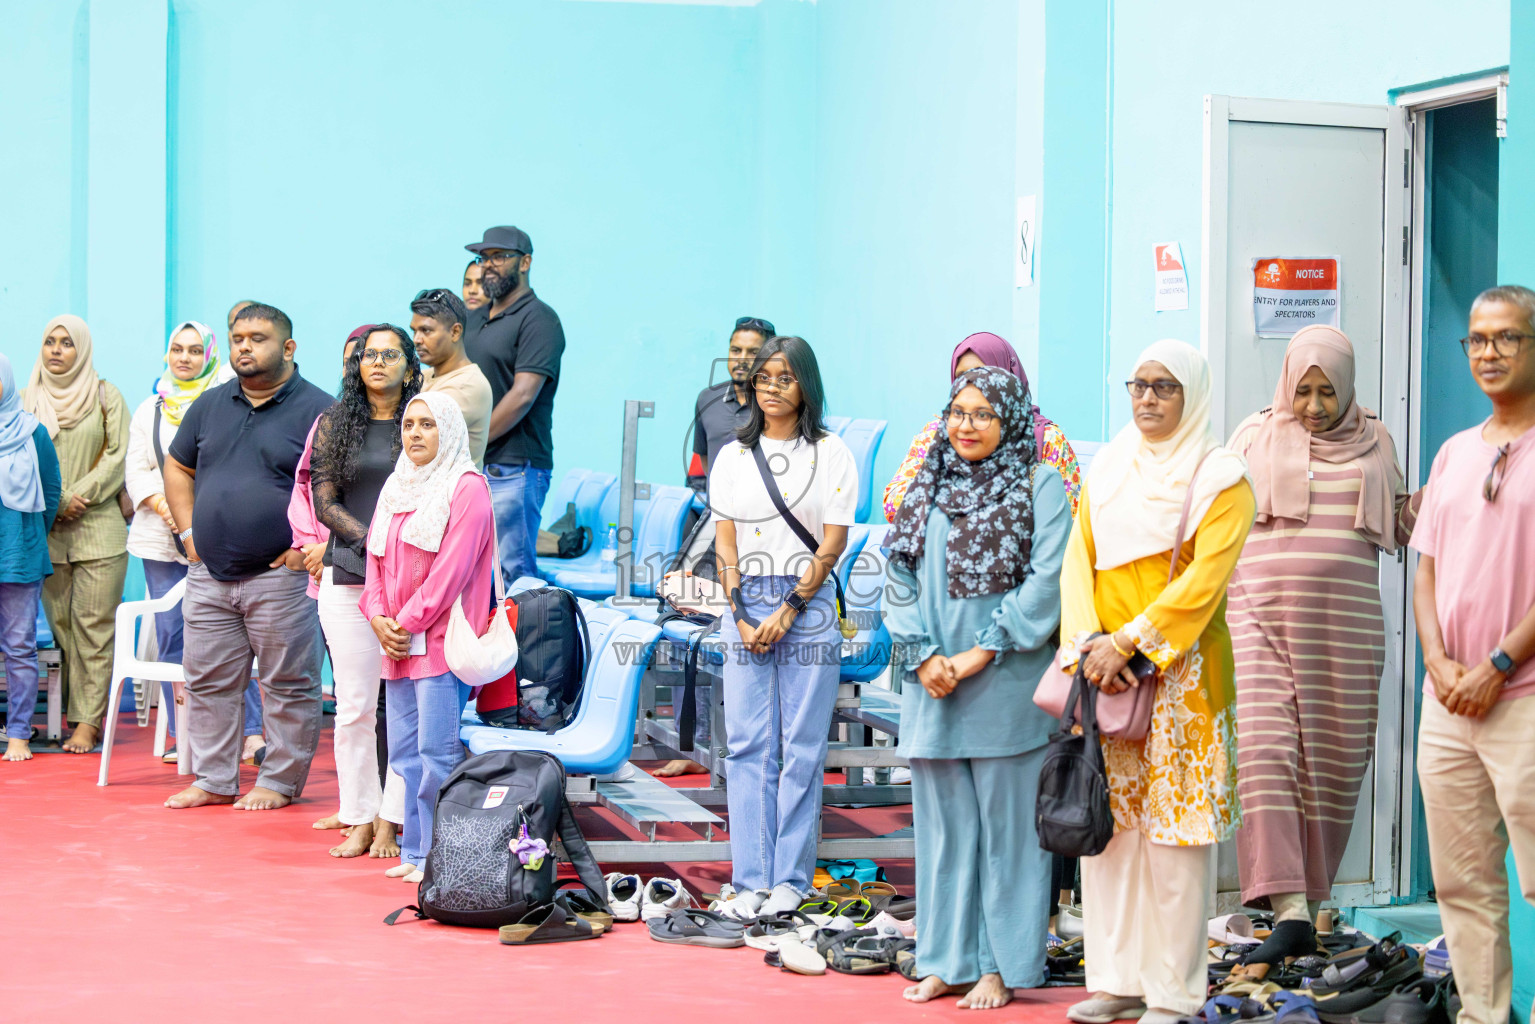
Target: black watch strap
{"type": "Point", "coordinates": [794, 599]}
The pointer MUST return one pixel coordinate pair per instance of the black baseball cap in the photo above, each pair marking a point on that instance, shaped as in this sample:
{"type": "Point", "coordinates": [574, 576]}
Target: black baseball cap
{"type": "Point", "coordinates": [503, 237]}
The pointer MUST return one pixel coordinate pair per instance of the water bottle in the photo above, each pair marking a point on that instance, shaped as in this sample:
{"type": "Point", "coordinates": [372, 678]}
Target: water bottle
{"type": "Point", "coordinates": [610, 547]}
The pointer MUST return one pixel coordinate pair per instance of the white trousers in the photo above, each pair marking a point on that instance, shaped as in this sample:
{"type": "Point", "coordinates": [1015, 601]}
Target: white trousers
{"type": "Point", "coordinates": [1478, 779]}
{"type": "Point", "coordinates": [1145, 914]}
{"type": "Point", "coordinates": [355, 662]}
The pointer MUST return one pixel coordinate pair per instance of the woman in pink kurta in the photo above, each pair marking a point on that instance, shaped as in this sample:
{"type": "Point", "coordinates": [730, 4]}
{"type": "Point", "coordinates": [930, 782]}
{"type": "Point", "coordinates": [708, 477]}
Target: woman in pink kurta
{"type": "Point", "coordinates": [431, 543]}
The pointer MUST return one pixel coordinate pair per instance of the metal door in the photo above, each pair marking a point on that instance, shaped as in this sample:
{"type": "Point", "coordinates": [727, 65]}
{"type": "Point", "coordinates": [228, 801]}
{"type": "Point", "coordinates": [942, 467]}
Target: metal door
{"type": "Point", "coordinates": [1294, 179]}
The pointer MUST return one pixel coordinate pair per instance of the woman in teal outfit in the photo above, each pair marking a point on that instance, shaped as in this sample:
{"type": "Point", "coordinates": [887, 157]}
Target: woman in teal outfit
{"type": "Point", "coordinates": [979, 542]}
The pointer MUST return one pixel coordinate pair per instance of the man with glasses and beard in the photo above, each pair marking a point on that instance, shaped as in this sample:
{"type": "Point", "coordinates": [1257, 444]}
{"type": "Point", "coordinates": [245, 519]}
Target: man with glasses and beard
{"type": "Point", "coordinates": [1474, 601]}
{"type": "Point", "coordinates": [228, 480]}
{"type": "Point", "coordinates": [517, 341]}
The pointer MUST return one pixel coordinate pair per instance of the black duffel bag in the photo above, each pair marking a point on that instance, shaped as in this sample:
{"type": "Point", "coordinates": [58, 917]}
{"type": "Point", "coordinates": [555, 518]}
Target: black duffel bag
{"type": "Point", "coordinates": [1071, 810]}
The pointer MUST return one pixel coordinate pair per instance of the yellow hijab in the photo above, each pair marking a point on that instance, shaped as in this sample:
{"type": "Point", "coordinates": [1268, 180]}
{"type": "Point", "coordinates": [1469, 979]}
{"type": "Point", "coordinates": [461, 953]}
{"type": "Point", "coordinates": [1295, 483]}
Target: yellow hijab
{"type": "Point", "coordinates": [177, 396]}
{"type": "Point", "coordinates": [61, 401]}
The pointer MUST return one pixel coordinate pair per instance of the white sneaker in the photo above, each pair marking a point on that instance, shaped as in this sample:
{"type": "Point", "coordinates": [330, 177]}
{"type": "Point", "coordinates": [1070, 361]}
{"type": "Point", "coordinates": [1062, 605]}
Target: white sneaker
{"type": "Point", "coordinates": [740, 906]}
{"type": "Point", "coordinates": [900, 776]}
{"type": "Point", "coordinates": [625, 773]}
{"type": "Point", "coordinates": [624, 896]}
{"type": "Point", "coordinates": [1069, 924]}
{"type": "Point", "coordinates": [662, 895]}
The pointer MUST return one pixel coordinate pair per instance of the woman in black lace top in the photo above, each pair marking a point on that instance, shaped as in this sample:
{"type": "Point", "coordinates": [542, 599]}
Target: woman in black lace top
{"type": "Point", "coordinates": [355, 449]}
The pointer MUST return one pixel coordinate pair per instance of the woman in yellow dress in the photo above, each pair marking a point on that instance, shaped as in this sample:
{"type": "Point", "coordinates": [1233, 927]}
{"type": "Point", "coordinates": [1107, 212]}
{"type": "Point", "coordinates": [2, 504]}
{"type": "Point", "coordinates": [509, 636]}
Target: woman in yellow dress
{"type": "Point", "coordinates": [1147, 896]}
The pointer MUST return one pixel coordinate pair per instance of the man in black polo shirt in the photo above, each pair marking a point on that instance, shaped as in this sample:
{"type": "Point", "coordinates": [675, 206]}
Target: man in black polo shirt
{"type": "Point", "coordinates": [228, 478]}
{"type": "Point", "coordinates": [517, 342]}
{"type": "Point", "coordinates": [722, 408]}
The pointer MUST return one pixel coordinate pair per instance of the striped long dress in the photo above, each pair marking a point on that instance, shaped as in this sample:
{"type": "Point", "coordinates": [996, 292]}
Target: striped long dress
{"type": "Point", "coordinates": [1309, 642]}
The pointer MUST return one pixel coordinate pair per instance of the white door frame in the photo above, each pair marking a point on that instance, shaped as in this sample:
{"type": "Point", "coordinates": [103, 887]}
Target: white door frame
{"type": "Point", "coordinates": [1220, 111]}
{"type": "Point", "coordinates": [1417, 102]}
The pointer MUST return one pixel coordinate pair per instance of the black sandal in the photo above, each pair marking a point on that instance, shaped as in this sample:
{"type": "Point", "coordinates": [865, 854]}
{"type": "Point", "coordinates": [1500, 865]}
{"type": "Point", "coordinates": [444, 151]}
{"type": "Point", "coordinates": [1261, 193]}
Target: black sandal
{"type": "Point", "coordinates": [551, 923]}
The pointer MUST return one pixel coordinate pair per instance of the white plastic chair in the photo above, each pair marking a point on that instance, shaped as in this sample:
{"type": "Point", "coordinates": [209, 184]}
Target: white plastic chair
{"type": "Point", "coordinates": [127, 665]}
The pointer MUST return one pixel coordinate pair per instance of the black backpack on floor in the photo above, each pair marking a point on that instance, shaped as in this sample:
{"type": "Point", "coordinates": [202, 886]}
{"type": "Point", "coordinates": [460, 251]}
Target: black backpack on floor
{"type": "Point", "coordinates": [471, 875]}
{"type": "Point", "coordinates": [553, 648]}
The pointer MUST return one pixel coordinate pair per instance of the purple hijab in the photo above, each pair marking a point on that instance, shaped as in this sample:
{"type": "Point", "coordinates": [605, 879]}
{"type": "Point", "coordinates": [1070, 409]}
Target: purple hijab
{"type": "Point", "coordinates": [993, 350]}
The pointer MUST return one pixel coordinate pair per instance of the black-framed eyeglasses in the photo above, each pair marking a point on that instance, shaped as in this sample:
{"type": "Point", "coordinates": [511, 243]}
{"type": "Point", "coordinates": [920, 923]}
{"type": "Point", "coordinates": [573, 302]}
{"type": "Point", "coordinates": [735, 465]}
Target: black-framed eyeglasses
{"type": "Point", "coordinates": [762, 382]}
{"type": "Point", "coordinates": [431, 295]}
{"type": "Point", "coordinates": [499, 257]}
{"type": "Point", "coordinates": [387, 356]}
{"type": "Point", "coordinates": [978, 420]}
{"type": "Point", "coordinates": [1505, 344]}
{"type": "Point", "coordinates": [1494, 479]}
{"type": "Point", "coordinates": [1165, 389]}
{"type": "Point", "coordinates": [756, 323]}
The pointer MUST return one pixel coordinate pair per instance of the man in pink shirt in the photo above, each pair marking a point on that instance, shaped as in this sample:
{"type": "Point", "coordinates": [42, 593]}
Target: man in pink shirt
{"type": "Point", "coordinates": [1474, 602]}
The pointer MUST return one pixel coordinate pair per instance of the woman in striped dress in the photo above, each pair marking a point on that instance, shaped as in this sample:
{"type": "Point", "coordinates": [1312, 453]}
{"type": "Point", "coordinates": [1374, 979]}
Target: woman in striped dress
{"type": "Point", "coordinates": [1307, 631]}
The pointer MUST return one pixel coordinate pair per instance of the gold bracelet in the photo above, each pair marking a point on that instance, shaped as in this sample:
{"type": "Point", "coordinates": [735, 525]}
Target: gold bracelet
{"type": "Point", "coordinates": [1122, 652]}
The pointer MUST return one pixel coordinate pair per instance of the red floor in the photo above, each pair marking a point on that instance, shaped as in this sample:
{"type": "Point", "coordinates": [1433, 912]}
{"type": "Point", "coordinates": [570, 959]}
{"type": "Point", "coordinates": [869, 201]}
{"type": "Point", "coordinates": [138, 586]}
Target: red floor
{"type": "Point", "coordinates": [118, 909]}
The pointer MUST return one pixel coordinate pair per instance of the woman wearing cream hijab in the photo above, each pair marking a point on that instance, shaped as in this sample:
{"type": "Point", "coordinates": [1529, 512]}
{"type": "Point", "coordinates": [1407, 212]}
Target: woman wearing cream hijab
{"type": "Point", "coordinates": [88, 422]}
{"type": "Point", "coordinates": [1147, 896]}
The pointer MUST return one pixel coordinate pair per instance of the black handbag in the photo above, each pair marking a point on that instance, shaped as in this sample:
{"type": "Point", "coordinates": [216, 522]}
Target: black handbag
{"type": "Point", "coordinates": [1071, 808]}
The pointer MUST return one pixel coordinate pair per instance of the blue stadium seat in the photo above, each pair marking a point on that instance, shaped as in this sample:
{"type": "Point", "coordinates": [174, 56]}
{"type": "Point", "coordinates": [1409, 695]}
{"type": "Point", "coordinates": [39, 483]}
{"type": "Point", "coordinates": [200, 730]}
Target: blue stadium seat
{"type": "Point", "coordinates": [862, 438]}
{"type": "Point", "coordinates": [44, 633]}
{"type": "Point", "coordinates": [864, 579]}
{"type": "Point", "coordinates": [596, 506]}
{"type": "Point", "coordinates": [657, 535]}
{"type": "Point", "coordinates": [836, 424]}
{"type": "Point", "coordinates": [555, 505]}
{"type": "Point", "coordinates": [600, 737]}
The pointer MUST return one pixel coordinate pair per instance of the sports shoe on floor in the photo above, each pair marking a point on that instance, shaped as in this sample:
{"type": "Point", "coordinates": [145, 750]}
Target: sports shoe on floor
{"type": "Point", "coordinates": [661, 895]}
{"type": "Point", "coordinates": [624, 894]}
{"type": "Point", "coordinates": [1106, 1009]}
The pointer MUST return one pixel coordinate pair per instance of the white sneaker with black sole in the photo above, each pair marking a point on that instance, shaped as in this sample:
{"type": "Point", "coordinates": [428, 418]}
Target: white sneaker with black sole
{"type": "Point", "coordinates": [662, 895]}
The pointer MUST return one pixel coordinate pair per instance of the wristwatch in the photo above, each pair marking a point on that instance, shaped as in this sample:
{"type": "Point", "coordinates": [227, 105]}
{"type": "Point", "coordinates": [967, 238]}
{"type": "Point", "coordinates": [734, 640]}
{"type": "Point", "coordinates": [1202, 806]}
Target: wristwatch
{"type": "Point", "coordinates": [1502, 662]}
{"type": "Point", "coordinates": [794, 599]}
{"type": "Point", "coordinates": [184, 534]}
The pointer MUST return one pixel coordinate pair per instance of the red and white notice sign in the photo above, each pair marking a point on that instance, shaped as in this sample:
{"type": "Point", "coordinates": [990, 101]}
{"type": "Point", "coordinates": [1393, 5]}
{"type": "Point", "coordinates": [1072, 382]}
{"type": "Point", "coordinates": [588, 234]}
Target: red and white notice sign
{"type": "Point", "coordinates": [1291, 293]}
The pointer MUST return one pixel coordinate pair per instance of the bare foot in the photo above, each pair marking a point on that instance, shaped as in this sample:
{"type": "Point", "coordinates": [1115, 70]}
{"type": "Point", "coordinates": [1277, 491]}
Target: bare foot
{"type": "Point", "coordinates": [83, 739]}
{"type": "Point", "coordinates": [681, 766]}
{"type": "Point", "coordinates": [262, 799]}
{"type": "Point", "coordinates": [18, 750]}
{"type": "Point", "coordinates": [194, 797]}
{"type": "Point", "coordinates": [400, 870]}
{"type": "Point", "coordinates": [252, 744]}
{"type": "Point", "coordinates": [385, 846]}
{"type": "Point", "coordinates": [931, 987]}
{"type": "Point", "coordinates": [358, 839]}
{"type": "Point", "coordinates": [333, 821]}
{"type": "Point", "coordinates": [414, 877]}
{"type": "Point", "coordinates": [988, 994]}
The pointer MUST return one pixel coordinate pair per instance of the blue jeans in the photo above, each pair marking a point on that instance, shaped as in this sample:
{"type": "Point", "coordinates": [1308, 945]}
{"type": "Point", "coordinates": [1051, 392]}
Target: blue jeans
{"type": "Point", "coordinates": [778, 708]}
{"type": "Point", "coordinates": [159, 578]}
{"type": "Point", "coordinates": [517, 495]}
{"type": "Point", "coordinates": [18, 645]}
{"type": "Point", "coordinates": [423, 750]}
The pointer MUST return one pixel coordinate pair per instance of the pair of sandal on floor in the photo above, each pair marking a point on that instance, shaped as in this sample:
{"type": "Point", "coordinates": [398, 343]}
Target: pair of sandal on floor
{"type": "Point", "coordinates": [572, 916]}
{"type": "Point", "coordinates": [860, 901]}
{"type": "Point", "coordinates": [802, 944]}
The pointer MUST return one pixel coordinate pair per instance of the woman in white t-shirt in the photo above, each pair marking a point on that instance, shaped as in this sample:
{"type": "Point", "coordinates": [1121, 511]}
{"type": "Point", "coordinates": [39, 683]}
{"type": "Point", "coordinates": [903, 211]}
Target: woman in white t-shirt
{"type": "Point", "coordinates": [783, 660]}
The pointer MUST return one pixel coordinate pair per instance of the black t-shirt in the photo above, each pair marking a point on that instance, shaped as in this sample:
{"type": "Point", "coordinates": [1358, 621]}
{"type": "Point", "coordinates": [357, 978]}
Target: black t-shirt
{"type": "Point", "coordinates": [375, 461]}
{"type": "Point", "coordinates": [716, 416]}
{"type": "Point", "coordinates": [245, 457]}
{"type": "Point", "coordinates": [527, 338]}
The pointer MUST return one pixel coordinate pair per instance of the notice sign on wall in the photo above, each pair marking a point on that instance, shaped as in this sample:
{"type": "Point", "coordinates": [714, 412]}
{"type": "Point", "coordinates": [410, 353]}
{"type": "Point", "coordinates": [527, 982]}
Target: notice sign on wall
{"type": "Point", "coordinates": [1290, 293]}
{"type": "Point", "coordinates": [1172, 279]}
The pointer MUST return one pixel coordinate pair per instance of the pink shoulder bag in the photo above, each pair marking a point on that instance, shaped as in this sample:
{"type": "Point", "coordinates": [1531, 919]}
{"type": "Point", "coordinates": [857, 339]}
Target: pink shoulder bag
{"type": "Point", "coordinates": [1127, 714]}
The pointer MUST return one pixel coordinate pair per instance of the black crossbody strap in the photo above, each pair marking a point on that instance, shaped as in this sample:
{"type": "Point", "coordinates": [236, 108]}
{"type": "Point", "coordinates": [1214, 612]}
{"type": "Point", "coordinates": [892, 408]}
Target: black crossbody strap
{"type": "Point", "coordinates": [804, 535]}
{"type": "Point", "coordinates": [154, 436]}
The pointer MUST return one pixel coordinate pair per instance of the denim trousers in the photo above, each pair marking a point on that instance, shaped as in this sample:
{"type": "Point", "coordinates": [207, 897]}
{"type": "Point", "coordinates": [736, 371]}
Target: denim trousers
{"type": "Point", "coordinates": [517, 494]}
{"type": "Point", "coordinates": [18, 646]}
{"type": "Point", "coordinates": [778, 711]}
{"type": "Point", "coordinates": [159, 578]}
{"type": "Point", "coordinates": [423, 750]}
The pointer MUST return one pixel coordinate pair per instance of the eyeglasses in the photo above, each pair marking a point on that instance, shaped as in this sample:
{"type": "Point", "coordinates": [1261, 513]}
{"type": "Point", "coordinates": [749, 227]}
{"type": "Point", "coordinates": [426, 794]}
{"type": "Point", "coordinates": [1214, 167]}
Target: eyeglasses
{"type": "Point", "coordinates": [431, 295]}
{"type": "Point", "coordinates": [753, 323]}
{"type": "Point", "coordinates": [1505, 344]}
{"type": "Point", "coordinates": [1495, 475]}
{"type": "Point", "coordinates": [1165, 389]}
{"type": "Point", "coordinates": [762, 382]}
{"type": "Point", "coordinates": [387, 356]}
{"type": "Point", "coordinates": [978, 420]}
{"type": "Point", "coordinates": [499, 257]}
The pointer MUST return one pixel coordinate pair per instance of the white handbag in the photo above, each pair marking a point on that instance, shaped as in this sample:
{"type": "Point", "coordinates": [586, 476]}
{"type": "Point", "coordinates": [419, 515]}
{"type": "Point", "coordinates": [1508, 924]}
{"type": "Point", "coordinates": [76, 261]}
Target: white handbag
{"type": "Point", "coordinates": [694, 594]}
{"type": "Point", "coordinates": [479, 659]}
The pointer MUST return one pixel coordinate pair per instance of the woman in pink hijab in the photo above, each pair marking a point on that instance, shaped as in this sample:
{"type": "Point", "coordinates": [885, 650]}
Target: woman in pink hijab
{"type": "Point", "coordinates": [1307, 630]}
{"type": "Point", "coordinates": [987, 349]}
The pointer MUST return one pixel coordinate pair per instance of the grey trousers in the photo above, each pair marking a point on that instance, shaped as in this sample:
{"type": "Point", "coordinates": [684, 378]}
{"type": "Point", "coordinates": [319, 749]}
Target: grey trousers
{"type": "Point", "coordinates": [272, 618]}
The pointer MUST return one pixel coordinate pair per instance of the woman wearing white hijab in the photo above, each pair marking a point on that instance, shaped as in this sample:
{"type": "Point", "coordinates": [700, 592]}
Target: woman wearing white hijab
{"type": "Point", "coordinates": [88, 545]}
{"type": "Point", "coordinates": [430, 543]}
{"type": "Point", "coordinates": [1146, 898]}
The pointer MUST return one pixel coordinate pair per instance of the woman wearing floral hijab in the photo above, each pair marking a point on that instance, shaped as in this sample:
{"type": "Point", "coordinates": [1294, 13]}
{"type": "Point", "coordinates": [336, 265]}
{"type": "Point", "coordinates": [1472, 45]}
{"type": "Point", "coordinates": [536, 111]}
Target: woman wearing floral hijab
{"type": "Point", "coordinates": [431, 542]}
{"type": "Point", "coordinates": [88, 422]}
{"type": "Point", "coordinates": [978, 540]}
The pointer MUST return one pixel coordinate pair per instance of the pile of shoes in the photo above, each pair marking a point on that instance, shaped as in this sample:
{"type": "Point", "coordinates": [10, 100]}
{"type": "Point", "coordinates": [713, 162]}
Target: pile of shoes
{"type": "Point", "coordinates": [1347, 979]}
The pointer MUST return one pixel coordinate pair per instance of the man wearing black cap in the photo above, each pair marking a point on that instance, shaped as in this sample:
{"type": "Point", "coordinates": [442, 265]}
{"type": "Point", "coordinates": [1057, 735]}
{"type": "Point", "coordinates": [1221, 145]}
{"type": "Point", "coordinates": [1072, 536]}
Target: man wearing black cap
{"type": "Point", "coordinates": [517, 342]}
